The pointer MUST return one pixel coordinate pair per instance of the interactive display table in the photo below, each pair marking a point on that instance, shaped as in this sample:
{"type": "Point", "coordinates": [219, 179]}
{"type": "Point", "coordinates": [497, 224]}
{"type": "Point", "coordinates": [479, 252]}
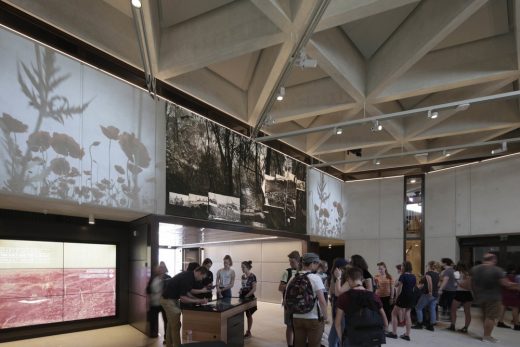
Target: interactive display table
{"type": "Point", "coordinates": [219, 320]}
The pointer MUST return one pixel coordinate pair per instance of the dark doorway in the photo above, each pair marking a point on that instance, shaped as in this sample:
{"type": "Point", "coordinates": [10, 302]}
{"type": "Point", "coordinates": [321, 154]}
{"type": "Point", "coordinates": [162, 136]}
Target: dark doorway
{"type": "Point", "coordinates": [330, 253]}
{"type": "Point", "coordinates": [506, 247]}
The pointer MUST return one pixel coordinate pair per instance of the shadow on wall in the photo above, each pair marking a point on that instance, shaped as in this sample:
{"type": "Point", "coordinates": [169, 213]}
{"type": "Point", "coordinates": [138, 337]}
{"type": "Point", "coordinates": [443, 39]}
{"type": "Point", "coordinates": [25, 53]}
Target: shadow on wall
{"type": "Point", "coordinates": [56, 165]}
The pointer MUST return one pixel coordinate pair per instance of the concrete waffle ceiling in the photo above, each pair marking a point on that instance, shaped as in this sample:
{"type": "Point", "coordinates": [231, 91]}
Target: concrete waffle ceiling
{"type": "Point", "coordinates": [374, 57]}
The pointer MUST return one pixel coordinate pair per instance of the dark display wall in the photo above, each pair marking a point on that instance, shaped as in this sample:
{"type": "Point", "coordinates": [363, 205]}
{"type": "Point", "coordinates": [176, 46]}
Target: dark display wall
{"type": "Point", "coordinates": [72, 275]}
{"type": "Point", "coordinates": [215, 174]}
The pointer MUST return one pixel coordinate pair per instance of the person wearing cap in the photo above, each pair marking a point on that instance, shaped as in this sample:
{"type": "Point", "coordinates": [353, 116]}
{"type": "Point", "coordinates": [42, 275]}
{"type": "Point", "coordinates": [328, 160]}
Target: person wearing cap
{"type": "Point", "coordinates": [294, 263]}
{"type": "Point", "coordinates": [308, 327]}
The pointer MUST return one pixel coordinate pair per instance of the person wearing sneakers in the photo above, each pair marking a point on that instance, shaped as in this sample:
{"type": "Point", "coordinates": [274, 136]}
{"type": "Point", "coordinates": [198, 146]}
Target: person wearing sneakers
{"type": "Point", "coordinates": [429, 287]}
{"type": "Point", "coordinates": [487, 281]}
{"type": "Point", "coordinates": [405, 301]}
{"type": "Point", "coordinates": [462, 296]}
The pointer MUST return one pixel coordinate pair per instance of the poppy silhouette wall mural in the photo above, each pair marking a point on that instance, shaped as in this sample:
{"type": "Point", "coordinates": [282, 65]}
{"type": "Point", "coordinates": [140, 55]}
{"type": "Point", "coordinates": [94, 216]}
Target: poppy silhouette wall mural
{"type": "Point", "coordinates": [73, 133]}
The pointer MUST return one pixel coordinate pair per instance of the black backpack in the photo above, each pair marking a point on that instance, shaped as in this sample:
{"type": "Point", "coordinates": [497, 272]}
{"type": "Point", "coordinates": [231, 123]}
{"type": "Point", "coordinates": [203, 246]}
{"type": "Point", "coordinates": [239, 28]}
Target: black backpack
{"type": "Point", "coordinates": [364, 325]}
{"type": "Point", "coordinates": [299, 295]}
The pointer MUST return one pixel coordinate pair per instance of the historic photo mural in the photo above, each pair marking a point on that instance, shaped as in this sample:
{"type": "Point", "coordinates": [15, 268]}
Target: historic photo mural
{"type": "Point", "coordinates": [213, 173]}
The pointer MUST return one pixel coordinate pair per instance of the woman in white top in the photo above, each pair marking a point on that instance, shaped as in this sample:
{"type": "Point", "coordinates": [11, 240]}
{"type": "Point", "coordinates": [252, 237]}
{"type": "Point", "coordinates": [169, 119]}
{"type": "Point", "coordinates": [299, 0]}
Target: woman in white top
{"type": "Point", "coordinates": [225, 279]}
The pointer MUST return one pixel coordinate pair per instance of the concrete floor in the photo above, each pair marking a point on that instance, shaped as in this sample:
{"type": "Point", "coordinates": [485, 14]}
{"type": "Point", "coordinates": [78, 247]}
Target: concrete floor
{"type": "Point", "coordinates": [268, 331]}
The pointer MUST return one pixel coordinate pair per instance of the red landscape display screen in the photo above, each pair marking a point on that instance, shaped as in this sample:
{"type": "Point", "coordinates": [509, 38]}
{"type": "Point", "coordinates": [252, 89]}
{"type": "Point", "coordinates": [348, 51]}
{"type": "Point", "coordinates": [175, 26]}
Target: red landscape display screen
{"type": "Point", "coordinates": [49, 282]}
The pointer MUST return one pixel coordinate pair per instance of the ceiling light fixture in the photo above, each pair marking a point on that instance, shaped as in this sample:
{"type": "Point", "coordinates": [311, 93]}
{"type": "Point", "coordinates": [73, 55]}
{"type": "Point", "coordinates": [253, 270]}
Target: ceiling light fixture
{"type": "Point", "coordinates": [433, 114]}
{"type": "Point", "coordinates": [136, 3]}
{"type": "Point", "coordinates": [413, 180]}
{"type": "Point", "coordinates": [376, 126]}
{"type": "Point", "coordinates": [462, 107]}
{"type": "Point", "coordinates": [339, 131]}
{"type": "Point", "coordinates": [377, 162]}
{"type": "Point", "coordinates": [304, 62]}
{"type": "Point", "coordinates": [500, 150]}
{"type": "Point", "coordinates": [446, 153]}
{"type": "Point", "coordinates": [91, 219]}
{"type": "Point", "coordinates": [281, 94]}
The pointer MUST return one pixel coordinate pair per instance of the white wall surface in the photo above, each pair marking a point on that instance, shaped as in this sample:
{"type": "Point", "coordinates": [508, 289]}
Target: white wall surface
{"type": "Point", "coordinates": [375, 220]}
{"type": "Point", "coordinates": [472, 200]}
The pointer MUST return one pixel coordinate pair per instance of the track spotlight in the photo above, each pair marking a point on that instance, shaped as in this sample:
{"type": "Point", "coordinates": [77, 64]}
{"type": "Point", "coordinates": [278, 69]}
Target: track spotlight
{"type": "Point", "coordinates": [91, 219]}
{"type": "Point", "coordinates": [305, 62]}
{"type": "Point", "coordinates": [281, 94]}
{"type": "Point", "coordinates": [339, 131]}
{"type": "Point", "coordinates": [433, 114]}
{"type": "Point", "coordinates": [376, 126]}
{"type": "Point", "coordinates": [136, 3]}
{"type": "Point", "coordinates": [269, 121]}
{"type": "Point", "coordinates": [462, 107]}
{"type": "Point", "coordinates": [500, 150]}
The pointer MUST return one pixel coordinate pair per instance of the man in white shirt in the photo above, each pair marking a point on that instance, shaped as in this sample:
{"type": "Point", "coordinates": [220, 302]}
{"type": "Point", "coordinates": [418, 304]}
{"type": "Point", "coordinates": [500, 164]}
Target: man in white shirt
{"type": "Point", "coordinates": [308, 327]}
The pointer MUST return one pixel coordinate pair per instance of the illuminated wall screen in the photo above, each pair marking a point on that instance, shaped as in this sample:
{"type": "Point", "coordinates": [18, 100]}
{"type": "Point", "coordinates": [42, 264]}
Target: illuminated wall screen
{"type": "Point", "coordinates": [49, 282]}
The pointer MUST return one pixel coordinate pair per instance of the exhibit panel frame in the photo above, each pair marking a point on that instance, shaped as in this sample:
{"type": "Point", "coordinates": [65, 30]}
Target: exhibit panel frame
{"type": "Point", "coordinates": [25, 226]}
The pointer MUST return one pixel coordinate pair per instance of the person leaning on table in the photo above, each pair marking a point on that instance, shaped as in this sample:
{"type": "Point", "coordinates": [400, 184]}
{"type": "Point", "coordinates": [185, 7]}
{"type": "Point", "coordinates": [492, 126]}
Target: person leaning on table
{"type": "Point", "coordinates": [177, 290]}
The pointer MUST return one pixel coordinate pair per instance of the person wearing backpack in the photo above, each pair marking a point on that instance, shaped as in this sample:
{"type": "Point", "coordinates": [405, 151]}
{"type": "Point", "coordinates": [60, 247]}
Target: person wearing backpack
{"type": "Point", "coordinates": [294, 263]}
{"type": "Point", "coordinates": [304, 299]}
{"type": "Point", "coordinates": [365, 318]}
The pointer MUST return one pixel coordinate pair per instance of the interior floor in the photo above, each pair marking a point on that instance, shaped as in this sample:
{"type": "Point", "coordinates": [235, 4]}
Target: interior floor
{"type": "Point", "coordinates": [268, 331]}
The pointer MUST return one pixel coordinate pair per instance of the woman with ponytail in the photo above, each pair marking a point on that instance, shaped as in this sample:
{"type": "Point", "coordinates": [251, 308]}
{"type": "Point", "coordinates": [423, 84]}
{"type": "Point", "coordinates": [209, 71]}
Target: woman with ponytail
{"type": "Point", "coordinates": [248, 291]}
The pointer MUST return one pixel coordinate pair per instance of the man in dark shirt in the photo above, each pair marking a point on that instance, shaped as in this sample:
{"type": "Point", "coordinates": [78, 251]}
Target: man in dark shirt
{"type": "Point", "coordinates": [177, 290]}
{"type": "Point", "coordinates": [487, 281]}
{"type": "Point", "coordinates": [203, 289]}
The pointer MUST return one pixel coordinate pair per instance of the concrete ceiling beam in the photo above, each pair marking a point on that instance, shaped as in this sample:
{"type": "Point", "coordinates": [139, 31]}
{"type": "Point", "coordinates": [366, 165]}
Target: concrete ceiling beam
{"type": "Point", "coordinates": [210, 87]}
{"type": "Point", "coordinates": [345, 11]}
{"type": "Point", "coordinates": [341, 60]}
{"type": "Point", "coordinates": [469, 138]}
{"type": "Point", "coordinates": [315, 140]}
{"type": "Point", "coordinates": [415, 126]}
{"type": "Point", "coordinates": [214, 37]}
{"type": "Point", "coordinates": [310, 99]}
{"type": "Point", "coordinates": [275, 12]}
{"type": "Point", "coordinates": [460, 66]}
{"type": "Point", "coordinates": [430, 23]}
{"type": "Point", "coordinates": [272, 64]}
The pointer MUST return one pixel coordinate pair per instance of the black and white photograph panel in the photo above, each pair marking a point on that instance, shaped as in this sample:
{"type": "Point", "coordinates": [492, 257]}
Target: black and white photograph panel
{"type": "Point", "coordinates": [222, 207]}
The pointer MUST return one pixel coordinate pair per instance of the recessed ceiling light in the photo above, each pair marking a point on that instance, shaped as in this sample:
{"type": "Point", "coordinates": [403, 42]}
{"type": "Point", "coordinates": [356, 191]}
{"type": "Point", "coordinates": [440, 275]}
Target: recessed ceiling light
{"type": "Point", "coordinates": [413, 180]}
{"type": "Point", "coordinates": [377, 162]}
{"type": "Point", "coordinates": [339, 131]}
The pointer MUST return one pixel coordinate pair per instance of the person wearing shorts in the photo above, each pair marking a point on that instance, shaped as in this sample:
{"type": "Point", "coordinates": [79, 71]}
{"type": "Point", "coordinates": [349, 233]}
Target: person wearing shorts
{"type": "Point", "coordinates": [487, 281]}
{"type": "Point", "coordinates": [463, 297]}
{"type": "Point", "coordinates": [405, 301]}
